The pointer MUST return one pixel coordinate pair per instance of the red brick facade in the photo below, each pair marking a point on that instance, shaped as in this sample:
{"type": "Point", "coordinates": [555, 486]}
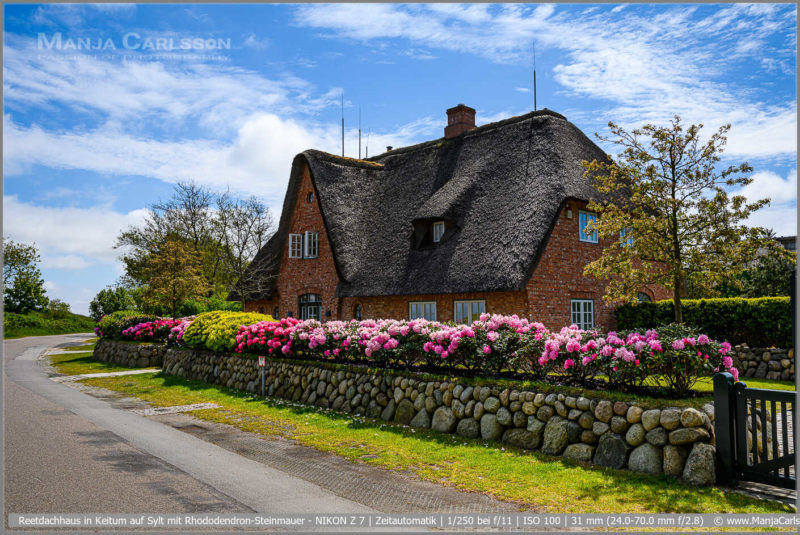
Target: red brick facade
{"type": "Point", "coordinates": [557, 279]}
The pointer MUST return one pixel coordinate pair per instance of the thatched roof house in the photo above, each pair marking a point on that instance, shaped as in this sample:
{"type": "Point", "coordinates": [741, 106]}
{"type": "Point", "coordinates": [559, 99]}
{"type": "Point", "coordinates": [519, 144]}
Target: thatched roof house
{"type": "Point", "coordinates": [467, 217]}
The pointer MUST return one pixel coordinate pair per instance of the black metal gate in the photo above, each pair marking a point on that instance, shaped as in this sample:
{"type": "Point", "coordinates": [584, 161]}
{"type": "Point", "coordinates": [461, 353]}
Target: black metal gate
{"type": "Point", "coordinates": [754, 431]}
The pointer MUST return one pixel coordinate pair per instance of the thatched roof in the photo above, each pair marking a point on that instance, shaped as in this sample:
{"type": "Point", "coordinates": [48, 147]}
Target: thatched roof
{"type": "Point", "coordinates": [498, 187]}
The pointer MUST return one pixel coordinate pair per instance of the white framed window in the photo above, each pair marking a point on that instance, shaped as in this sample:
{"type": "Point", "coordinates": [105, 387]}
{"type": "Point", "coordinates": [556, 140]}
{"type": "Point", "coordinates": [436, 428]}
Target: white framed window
{"type": "Point", "coordinates": [626, 237]}
{"type": "Point", "coordinates": [295, 246]}
{"type": "Point", "coordinates": [438, 231]}
{"type": "Point", "coordinates": [465, 312]}
{"type": "Point", "coordinates": [311, 244]}
{"type": "Point", "coordinates": [584, 218]}
{"type": "Point", "coordinates": [422, 309]}
{"type": "Point", "coordinates": [583, 313]}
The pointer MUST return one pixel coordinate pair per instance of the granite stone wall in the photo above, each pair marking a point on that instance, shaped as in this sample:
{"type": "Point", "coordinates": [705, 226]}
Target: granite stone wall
{"type": "Point", "coordinates": [129, 354]}
{"type": "Point", "coordinates": [769, 363]}
{"type": "Point", "coordinates": [673, 441]}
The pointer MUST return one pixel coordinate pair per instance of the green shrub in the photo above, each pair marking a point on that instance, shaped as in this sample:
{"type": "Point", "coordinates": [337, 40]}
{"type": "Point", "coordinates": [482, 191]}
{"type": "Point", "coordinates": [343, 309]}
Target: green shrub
{"type": "Point", "coordinates": [112, 325]}
{"type": "Point", "coordinates": [217, 330]}
{"type": "Point", "coordinates": [44, 323]}
{"type": "Point", "coordinates": [193, 307]}
{"type": "Point", "coordinates": [760, 322]}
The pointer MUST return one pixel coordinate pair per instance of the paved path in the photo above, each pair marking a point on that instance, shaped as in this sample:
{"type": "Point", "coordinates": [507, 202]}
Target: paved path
{"type": "Point", "coordinates": [68, 451]}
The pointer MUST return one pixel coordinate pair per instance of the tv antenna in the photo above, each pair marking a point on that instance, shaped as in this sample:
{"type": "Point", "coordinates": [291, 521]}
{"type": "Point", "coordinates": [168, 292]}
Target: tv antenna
{"type": "Point", "coordinates": [366, 149]}
{"type": "Point", "coordinates": [342, 123]}
{"type": "Point", "coordinates": [534, 75]}
{"type": "Point", "coordinates": [359, 132]}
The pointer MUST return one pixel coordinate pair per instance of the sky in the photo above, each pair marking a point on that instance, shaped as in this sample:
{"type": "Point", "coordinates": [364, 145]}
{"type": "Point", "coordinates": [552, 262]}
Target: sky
{"type": "Point", "coordinates": [107, 106]}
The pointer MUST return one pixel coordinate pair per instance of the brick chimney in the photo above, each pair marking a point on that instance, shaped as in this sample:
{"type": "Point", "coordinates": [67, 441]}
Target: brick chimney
{"type": "Point", "coordinates": [460, 119]}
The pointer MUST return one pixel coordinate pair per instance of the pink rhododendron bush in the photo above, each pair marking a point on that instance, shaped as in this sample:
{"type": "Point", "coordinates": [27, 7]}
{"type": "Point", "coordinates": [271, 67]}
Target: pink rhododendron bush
{"type": "Point", "coordinates": [150, 331]}
{"type": "Point", "coordinates": [499, 346]}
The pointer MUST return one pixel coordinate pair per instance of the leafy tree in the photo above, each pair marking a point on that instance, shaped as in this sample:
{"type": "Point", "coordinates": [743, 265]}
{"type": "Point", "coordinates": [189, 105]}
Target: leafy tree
{"type": "Point", "coordinates": [111, 299]}
{"type": "Point", "coordinates": [221, 241]}
{"type": "Point", "coordinates": [174, 274]}
{"type": "Point", "coordinates": [243, 227]}
{"type": "Point", "coordinates": [57, 308]}
{"type": "Point", "coordinates": [667, 197]}
{"type": "Point", "coordinates": [769, 276]}
{"type": "Point", "coordinates": [23, 285]}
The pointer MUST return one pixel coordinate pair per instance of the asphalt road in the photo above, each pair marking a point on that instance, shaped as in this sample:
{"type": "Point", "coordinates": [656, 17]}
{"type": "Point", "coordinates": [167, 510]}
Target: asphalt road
{"type": "Point", "coordinates": [68, 452]}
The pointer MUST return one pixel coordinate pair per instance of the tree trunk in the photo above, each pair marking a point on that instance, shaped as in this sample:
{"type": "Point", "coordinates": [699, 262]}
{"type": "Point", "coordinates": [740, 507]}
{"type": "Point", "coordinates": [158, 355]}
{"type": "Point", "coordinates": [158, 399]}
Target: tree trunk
{"type": "Point", "coordinates": [676, 300]}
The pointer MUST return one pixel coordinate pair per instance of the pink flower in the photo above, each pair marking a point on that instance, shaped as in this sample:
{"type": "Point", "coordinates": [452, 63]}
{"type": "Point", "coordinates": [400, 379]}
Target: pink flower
{"type": "Point", "coordinates": [703, 339]}
{"type": "Point", "coordinates": [444, 354]}
{"type": "Point", "coordinates": [492, 336]}
{"type": "Point", "coordinates": [487, 350]}
{"type": "Point", "coordinates": [678, 344]}
{"type": "Point", "coordinates": [735, 373]}
{"type": "Point", "coordinates": [727, 362]}
{"type": "Point", "coordinates": [569, 363]}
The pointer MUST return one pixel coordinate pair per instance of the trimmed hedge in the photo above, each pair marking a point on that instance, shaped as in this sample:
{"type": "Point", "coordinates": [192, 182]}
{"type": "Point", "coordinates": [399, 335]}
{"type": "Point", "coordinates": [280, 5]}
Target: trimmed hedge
{"type": "Point", "coordinates": [44, 323]}
{"type": "Point", "coordinates": [112, 325]}
{"type": "Point", "coordinates": [217, 330]}
{"type": "Point", "coordinates": [759, 322]}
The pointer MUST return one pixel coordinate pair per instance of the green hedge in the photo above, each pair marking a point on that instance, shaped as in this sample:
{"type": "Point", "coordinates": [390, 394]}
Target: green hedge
{"type": "Point", "coordinates": [112, 325]}
{"type": "Point", "coordinates": [217, 330]}
{"type": "Point", "coordinates": [44, 323]}
{"type": "Point", "coordinates": [760, 322]}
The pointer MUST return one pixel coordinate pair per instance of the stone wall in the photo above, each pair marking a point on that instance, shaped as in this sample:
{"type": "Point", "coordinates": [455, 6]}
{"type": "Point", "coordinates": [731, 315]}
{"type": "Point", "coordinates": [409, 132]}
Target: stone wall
{"type": "Point", "coordinates": [678, 442]}
{"type": "Point", "coordinates": [129, 354]}
{"type": "Point", "coordinates": [769, 363]}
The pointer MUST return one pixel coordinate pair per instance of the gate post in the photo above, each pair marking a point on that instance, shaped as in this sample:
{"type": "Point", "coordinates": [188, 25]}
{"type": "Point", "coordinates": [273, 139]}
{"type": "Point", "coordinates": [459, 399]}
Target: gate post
{"type": "Point", "coordinates": [724, 415]}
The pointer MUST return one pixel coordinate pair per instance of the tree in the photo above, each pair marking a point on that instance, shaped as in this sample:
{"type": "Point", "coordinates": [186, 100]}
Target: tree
{"type": "Point", "coordinates": [224, 234]}
{"type": "Point", "coordinates": [243, 227]}
{"type": "Point", "coordinates": [111, 299]}
{"type": "Point", "coordinates": [57, 308]}
{"type": "Point", "coordinates": [23, 285]}
{"type": "Point", "coordinates": [174, 274]}
{"type": "Point", "coordinates": [665, 208]}
{"type": "Point", "coordinates": [770, 273]}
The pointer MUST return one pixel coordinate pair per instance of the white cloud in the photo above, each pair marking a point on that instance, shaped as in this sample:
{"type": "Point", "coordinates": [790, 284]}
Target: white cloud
{"type": "Point", "coordinates": [648, 65]}
{"type": "Point", "coordinates": [68, 238]}
{"type": "Point", "coordinates": [257, 161]}
{"type": "Point", "coordinates": [781, 214]}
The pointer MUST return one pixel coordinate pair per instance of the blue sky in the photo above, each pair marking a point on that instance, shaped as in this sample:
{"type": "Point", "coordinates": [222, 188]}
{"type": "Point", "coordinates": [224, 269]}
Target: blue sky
{"type": "Point", "coordinates": [106, 106]}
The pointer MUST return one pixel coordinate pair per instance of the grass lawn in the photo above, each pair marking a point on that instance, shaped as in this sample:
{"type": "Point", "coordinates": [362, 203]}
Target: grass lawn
{"type": "Point", "coordinates": [531, 479]}
{"type": "Point", "coordinates": [76, 363]}
{"type": "Point", "coordinates": [86, 346]}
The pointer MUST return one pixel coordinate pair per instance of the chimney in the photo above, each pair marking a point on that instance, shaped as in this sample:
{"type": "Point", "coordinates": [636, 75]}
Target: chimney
{"type": "Point", "coordinates": [388, 148]}
{"type": "Point", "coordinates": [460, 119]}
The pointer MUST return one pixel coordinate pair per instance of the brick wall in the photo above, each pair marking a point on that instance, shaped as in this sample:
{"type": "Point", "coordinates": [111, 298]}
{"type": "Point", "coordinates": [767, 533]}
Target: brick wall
{"type": "Point", "coordinates": [557, 279]}
{"type": "Point", "coordinates": [298, 276]}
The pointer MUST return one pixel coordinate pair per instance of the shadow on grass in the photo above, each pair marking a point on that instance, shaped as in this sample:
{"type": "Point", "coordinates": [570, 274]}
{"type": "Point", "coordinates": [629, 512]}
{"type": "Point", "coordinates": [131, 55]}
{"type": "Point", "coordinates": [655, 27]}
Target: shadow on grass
{"type": "Point", "coordinates": [529, 471]}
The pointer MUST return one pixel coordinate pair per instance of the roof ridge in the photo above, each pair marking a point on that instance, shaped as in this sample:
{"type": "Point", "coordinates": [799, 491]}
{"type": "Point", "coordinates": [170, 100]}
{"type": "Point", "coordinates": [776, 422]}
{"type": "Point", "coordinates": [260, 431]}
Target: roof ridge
{"type": "Point", "coordinates": [477, 131]}
{"type": "Point", "coordinates": [343, 159]}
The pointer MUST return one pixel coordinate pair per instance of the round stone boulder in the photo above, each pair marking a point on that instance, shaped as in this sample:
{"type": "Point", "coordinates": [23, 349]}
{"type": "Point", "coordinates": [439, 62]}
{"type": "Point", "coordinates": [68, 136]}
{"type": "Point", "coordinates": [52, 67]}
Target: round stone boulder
{"type": "Point", "coordinates": [579, 452]}
{"type": "Point", "coordinates": [519, 419]}
{"type": "Point", "coordinates": [599, 428]}
{"type": "Point", "coordinates": [521, 438]}
{"type": "Point", "coordinates": [492, 404]}
{"type": "Point", "coordinates": [555, 437]}
{"type": "Point", "coordinates": [586, 420]}
{"type": "Point", "coordinates": [674, 459]}
{"type": "Point", "coordinates": [469, 428]}
{"type": "Point", "coordinates": [404, 412]}
{"type": "Point", "coordinates": [503, 416]}
{"type": "Point", "coordinates": [670, 418]}
{"type": "Point", "coordinates": [691, 418]}
{"type": "Point", "coordinates": [619, 424]}
{"type": "Point", "coordinates": [490, 429]}
{"type": "Point", "coordinates": [651, 419]}
{"type": "Point", "coordinates": [544, 413]}
{"type": "Point", "coordinates": [635, 435]}
{"type": "Point", "coordinates": [422, 419]}
{"type": "Point", "coordinates": [634, 414]}
{"type": "Point", "coordinates": [646, 459]}
{"type": "Point", "coordinates": [612, 451]}
{"type": "Point", "coordinates": [700, 469]}
{"type": "Point", "coordinates": [657, 437]}
{"type": "Point", "coordinates": [688, 435]}
{"type": "Point", "coordinates": [604, 411]}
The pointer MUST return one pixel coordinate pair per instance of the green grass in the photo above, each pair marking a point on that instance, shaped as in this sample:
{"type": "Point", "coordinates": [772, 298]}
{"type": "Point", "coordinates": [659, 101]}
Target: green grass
{"type": "Point", "coordinates": [75, 363]}
{"type": "Point", "coordinates": [44, 323]}
{"type": "Point", "coordinates": [88, 345]}
{"type": "Point", "coordinates": [531, 479]}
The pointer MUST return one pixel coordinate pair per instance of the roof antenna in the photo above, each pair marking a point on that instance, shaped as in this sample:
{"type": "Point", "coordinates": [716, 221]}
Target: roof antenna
{"type": "Point", "coordinates": [342, 123]}
{"type": "Point", "coordinates": [359, 132]}
{"type": "Point", "coordinates": [366, 149]}
{"type": "Point", "coordinates": [534, 75]}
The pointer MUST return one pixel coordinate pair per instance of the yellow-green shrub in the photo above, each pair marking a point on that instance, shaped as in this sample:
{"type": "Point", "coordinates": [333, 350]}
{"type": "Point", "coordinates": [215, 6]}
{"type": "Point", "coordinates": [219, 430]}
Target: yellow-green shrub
{"type": "Point", "coordinates": [216, 331]}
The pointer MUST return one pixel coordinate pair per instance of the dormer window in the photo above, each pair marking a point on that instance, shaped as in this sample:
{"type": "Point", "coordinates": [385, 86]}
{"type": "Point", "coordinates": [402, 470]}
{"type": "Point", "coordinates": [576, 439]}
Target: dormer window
{"type": "Point", "coordinates": [438, 231]}
{"type": "Point", "coordinates": [310, 197]}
